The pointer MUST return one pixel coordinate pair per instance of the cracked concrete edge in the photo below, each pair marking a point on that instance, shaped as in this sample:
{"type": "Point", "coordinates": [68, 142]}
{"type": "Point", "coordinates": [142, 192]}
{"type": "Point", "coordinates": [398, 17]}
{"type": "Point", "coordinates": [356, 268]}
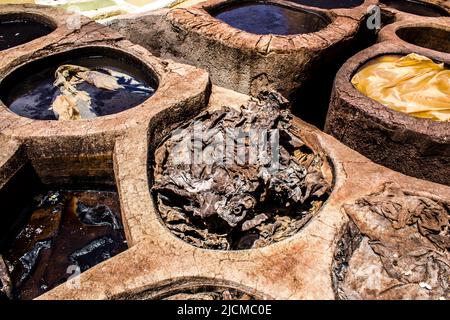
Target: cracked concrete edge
{"type": "Point", "coordinates": [285, 270]}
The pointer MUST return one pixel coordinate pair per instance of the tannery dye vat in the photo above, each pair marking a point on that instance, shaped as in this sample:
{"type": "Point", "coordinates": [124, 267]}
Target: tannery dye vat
{"type": "Point", "coordinates": [412, 84]}
{"type": "Point", "coordinates": [16, 29]}
{"type": "Point", "coordinates": [54, 233]}
{"type": "Point", "coordinates": [430, 37]}
{"type": "Point", "coordinates": [79, 84]}
{"type": "Point", "coordinates": [413, 145]}
{"type": "Point", "coordinates": [253, 198]}
{"type": "Point", "coordinates": [330, 4]}
{"type": "Point", "coordinates": [416, 7]}
{"type": "Point", "coordinates": [201, 170]}
{"type": "Point", "coordinates": [394, 247]}
{"type": "Point", "coordinates": [266, 18]}
{"type": "Point", "coordinates": [251, 46]}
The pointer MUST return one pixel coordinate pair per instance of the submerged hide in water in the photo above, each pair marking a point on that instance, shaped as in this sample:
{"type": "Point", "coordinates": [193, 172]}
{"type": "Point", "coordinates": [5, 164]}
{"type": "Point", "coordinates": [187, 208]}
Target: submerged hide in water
{"type": "Point", "coordinates": [73, 104]}
{"type": "Point", "coordinates": [398, 248]}
{"type": "Point", "coordinates": [412, 84]}
{"type": "Point", "coordinates": [218, 195]}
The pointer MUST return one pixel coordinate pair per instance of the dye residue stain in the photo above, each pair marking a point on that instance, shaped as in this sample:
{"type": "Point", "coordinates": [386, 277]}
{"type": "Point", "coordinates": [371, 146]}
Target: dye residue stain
{"type": "Point", "coordinates": [34, 97]}
{"type": "Point", "coordinates": [68, 231]}
{"type": "Point", "coordinates": [416, 7]}
{"type": "Point", "coordinates": [17, 32]}
{"type": "Point", "coordinates": [260, 18]}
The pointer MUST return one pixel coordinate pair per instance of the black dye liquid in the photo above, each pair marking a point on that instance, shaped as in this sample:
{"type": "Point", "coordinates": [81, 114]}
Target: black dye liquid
{"type": "Point", "coordinates": [261, 18]}
{"type": "Point", "coordinates": [416, 7]}
{"type": "Point", "coordinates": [330, 4]}
{"type": "Point", "coordinates": [17, 32]}
{"type": "Point", "coordinates": [31, 92]}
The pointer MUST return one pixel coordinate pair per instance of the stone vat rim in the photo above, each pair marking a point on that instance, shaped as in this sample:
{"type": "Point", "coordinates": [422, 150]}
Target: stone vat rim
{"type": "Point", "coordinates": [187, 18]}
{"type": "Point", "coordinates": [389, 32]}
{"type": "Point", "coordinates": [165, 73]}
{"type": "Point", "coordinates": [438, 131]}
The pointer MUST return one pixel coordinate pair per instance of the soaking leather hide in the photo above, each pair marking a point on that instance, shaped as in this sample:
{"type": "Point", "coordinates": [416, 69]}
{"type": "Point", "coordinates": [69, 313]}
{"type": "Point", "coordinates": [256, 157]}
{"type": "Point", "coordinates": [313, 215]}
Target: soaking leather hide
{"type": "Point", "coordinates": [412, 84]}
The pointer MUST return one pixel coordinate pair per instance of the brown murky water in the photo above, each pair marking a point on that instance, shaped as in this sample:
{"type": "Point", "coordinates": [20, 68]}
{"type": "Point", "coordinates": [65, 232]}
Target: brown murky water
{"type": "Point", "coordinates": [67, 232]}
{"type": "Point", "coordinates": [262, 18]}
{"type": "Point", "coordinates": [14, 32]}
{"type": "Point", "coordinates": [416, 7]}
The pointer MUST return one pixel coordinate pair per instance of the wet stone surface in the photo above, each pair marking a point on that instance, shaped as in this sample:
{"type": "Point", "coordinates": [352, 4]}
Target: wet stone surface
{"type": "Point", "coordinates": [246, 193]}
{"type": "Point", "coordinates": [260, 18]}
{"type": "Point", "coordinates": [32, 92]}
{"type": "Point", "coordinates": [396, 246]}
{"type": "Point", "coordinates": [67, 232]}
{"type": "Point", "coordinates": [416, 7]}
{"type": "Point", "coordinates": [14, 32]}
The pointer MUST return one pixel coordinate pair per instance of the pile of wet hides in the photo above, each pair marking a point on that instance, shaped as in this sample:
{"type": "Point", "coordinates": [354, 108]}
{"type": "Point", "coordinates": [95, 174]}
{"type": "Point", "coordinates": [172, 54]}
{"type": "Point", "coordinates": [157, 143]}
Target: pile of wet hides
{"type": "Point", "coordinates": [238, 179]}
{"type": "Point", "coordinates": [396, 246]}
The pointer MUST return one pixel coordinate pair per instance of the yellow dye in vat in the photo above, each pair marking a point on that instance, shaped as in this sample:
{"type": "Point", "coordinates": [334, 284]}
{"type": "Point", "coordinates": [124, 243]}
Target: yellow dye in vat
{"type": "Point", "coordinates": [412, 84]}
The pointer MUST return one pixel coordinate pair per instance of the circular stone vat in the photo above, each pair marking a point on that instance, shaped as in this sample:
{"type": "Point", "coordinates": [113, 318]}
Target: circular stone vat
{"type": "Point", "coordinates": [416, 7]}
{"type": "Point", "coordinates": [218, 190]}
{"type": "Point", "coordinates": [414, 146]}
{"type": "Point", "coordinates": [330, 4]}
{"type": "Point", "coordinates": [269, 18]}
{"type": "Point", "coordinates": [429, 37]}
{"type": "Point", "coordinates": [17, 29]}
{"type": "Point", "coordinates": [282, 60]}
{"type": "Point", "coordinates": [30, 90]}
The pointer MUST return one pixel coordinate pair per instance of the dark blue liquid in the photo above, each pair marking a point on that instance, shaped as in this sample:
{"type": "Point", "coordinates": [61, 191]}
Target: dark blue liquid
{"type": "Point", "coordinates": [260, 18]}
{"type": "Point", "coordinates": [34, 93]}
